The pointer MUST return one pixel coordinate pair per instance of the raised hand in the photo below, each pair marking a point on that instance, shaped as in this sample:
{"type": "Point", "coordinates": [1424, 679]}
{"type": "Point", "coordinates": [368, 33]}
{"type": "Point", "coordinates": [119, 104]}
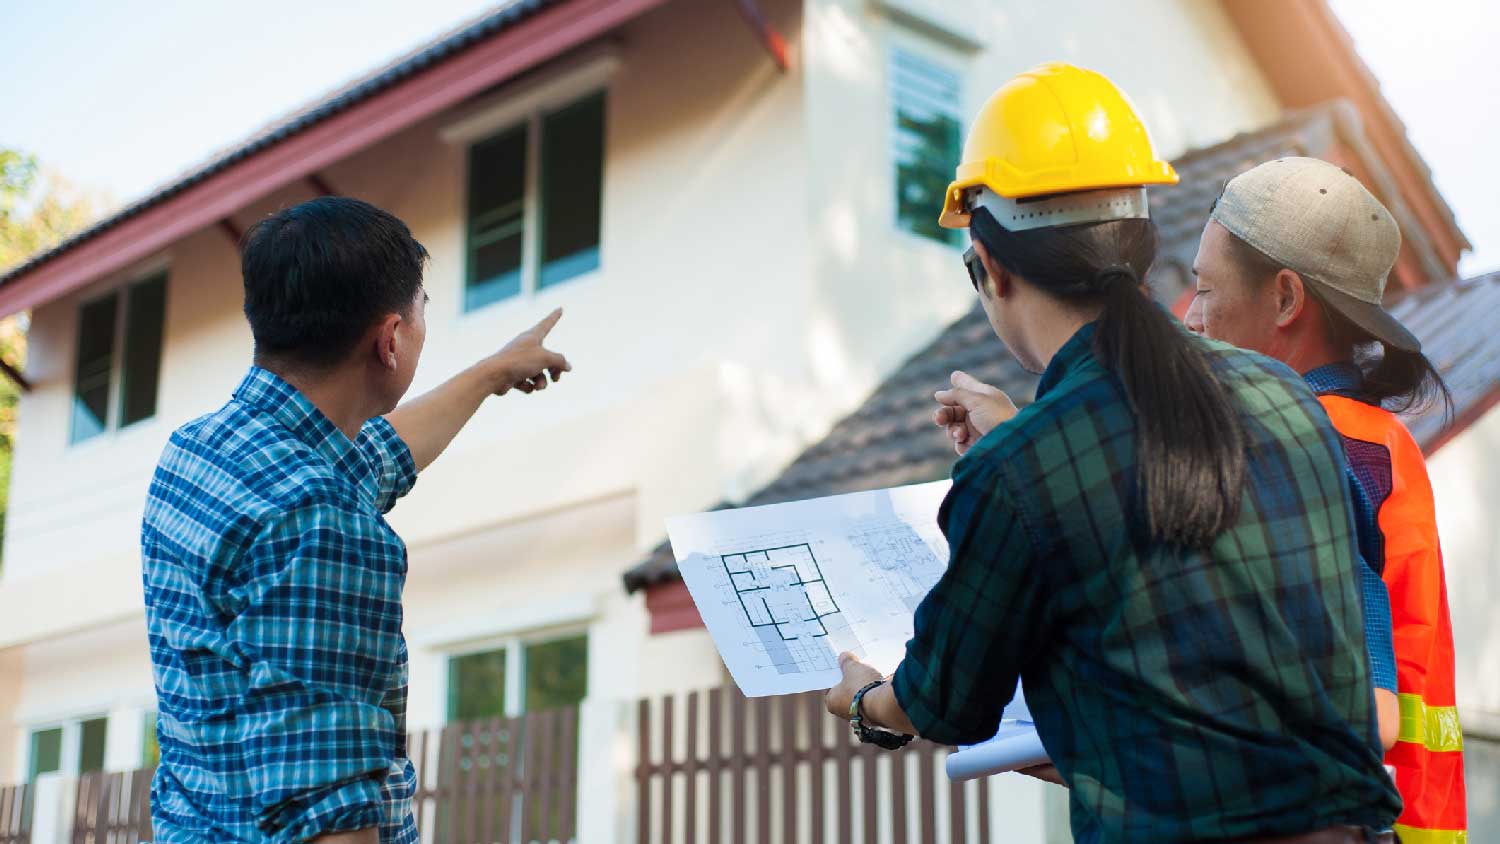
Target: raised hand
{"type": "Point", "coordinates": [970, 409]}
{"type": "Point", "coordinates": [524, 363]}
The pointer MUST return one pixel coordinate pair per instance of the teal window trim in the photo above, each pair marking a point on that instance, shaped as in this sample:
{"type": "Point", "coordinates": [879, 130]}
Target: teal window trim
{"type": "Point", "coordinates": [527, 216]}
{"type": "Point", "coordinates": [926, 141]}
{"type": "Point", "coordinates": [136, 343]}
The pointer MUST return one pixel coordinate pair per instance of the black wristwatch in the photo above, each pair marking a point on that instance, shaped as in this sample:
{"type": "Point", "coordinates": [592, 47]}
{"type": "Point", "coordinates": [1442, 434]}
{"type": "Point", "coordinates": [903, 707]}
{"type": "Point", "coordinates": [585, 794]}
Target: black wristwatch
{"type": "Point", "coordinates": [873, 735]}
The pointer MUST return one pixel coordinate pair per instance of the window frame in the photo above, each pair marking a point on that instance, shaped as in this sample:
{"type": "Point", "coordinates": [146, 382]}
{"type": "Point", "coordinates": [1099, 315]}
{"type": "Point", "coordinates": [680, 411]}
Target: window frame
{"type": "Point", "coordinates": [114, 406]}
{"type": "Point", "coordinates": [532, 237]}
{"type": "Point", "coordinates": [943, 59]}
{"type": "Point", "coordinates": [71, 750]}
{"type": "Point", "coordinates": [590, 73]}
{"type": "Point", "coordinates": [515, 647]}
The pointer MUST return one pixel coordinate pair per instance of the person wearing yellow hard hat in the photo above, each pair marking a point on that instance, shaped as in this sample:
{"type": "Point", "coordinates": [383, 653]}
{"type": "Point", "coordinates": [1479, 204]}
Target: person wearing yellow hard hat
{"type": "Point", "coordinates": [1161, 545]}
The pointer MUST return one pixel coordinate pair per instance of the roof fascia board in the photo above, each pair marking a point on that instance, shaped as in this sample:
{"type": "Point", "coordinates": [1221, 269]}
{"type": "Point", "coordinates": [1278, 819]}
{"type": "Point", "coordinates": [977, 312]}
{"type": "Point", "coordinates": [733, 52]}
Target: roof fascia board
{"type": "Point", "coordinates": [514, 104]}
{"type": "Point", "coordinates": [485, 65]}
{"type": "Point", "coordinates": [1305, 54]}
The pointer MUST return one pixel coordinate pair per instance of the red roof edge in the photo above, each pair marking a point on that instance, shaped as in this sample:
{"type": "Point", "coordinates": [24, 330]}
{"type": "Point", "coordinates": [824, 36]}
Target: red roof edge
{"type": "Point", "coordinates": [549, 33]}
{"type": "Point", "coordinates": [671, 607]}
{"type": "Point", "coordinates": [1308, 58]}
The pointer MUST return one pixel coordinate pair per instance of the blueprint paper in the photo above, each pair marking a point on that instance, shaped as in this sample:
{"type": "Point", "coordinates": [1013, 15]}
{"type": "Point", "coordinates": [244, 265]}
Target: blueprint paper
{"type": "Point", "coordinates": [785, 588]}
{"type": "Point", "coordinates": [1015, 745]}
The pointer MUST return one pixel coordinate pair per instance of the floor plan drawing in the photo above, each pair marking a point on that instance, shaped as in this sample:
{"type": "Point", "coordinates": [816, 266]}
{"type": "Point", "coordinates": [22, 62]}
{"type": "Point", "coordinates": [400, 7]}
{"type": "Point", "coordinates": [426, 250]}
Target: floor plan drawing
{"type": "Point", "coordinates": [903, 562]}
{"type": "Point", "coordinates": [788, 606]}
{"type": "Point", "coordinates": [785, 588]}
{"type": "Point", "coordinates": [782, 588]}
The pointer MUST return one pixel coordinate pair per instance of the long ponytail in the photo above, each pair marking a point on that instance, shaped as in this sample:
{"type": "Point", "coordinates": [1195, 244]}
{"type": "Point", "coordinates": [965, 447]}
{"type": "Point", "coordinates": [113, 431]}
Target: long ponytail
{"type": "Point", "coordinates": [1190, 442]}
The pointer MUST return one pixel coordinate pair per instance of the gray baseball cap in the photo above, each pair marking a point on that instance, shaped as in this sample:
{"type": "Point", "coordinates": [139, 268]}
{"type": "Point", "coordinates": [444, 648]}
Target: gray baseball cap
{"type": "Point", "coordinates": [1318, 220]}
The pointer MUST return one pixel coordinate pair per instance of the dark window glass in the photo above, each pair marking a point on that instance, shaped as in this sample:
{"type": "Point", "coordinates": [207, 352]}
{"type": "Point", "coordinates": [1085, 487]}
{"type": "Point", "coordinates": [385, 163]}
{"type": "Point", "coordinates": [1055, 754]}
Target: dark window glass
{"type": "Point", "coordinates": [572, 186]}
{"type": "Point", "coordinates": [96, 344]}
{"type": "Point", "coordinates": [497, 203]}
{"type": "Point", "coordinates": [46, 752]}
{"type": "Point", "coordinates": [91, 745]}
{"type": "Point", "coordinates": [928, 141]}
{"type": "Point", "coordinates": [140, 366]}
{"type": "Point", "coordinates": [556, 673]}
{"type": "Point", "coordinates": [476, 686]}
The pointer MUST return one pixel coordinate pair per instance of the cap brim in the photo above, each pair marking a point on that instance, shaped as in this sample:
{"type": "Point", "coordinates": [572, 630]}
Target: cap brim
{"type": "Point", "coordinates": [1372, 318]}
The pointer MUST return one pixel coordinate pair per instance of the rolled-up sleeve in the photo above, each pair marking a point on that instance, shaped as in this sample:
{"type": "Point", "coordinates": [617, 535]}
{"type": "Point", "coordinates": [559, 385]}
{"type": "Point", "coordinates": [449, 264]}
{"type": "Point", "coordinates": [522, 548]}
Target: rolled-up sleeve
{"type": "Point", "coordinates": [975, 629]}
{"type": "Point", "coordinates": [395, 471]}
{"type": "Point", "coordinates": [318, 636]}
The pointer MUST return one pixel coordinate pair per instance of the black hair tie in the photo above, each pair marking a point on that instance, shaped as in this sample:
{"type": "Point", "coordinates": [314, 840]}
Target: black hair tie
{"type": "Point", "coordinates": [1107, 277]}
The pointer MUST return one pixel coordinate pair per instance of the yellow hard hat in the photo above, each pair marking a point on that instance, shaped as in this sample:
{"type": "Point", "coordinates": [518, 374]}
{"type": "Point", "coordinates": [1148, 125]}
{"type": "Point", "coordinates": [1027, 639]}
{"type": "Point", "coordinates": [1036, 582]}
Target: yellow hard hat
{"type": "Point", "coordinates": [1054, 129]}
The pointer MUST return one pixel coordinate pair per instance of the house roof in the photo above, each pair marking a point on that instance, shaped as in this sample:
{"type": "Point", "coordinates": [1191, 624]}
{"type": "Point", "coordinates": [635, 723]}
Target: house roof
{"type": "Point", "coordinates": [310, 115]}
{"type": "Point", "coordinates": [470, 60]}
{"type": "Point", "coordinates": [891, 440]}
{"type": "Point", "coordinates": [1455, 321]}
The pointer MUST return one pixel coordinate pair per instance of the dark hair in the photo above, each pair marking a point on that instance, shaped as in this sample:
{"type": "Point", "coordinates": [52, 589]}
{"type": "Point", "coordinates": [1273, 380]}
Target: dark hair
{"type": "Point", "coordinates": [1396, 379]}
{"type": "Point", "coordinates": [1190, 443]}
{"type": "Point", "coordinates": [319, 274]}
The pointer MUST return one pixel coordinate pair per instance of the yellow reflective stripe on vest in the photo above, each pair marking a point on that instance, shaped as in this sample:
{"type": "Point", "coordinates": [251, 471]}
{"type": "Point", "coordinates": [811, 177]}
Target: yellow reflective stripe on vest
{"type": "Point", "coordinates": [1434, 727]}
{"type": "Point", "coordinates": [1413, 835]}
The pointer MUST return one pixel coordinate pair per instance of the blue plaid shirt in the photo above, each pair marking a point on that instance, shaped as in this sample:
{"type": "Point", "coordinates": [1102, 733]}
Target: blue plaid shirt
{"type": "Point", "coordinates": [1345, 379]}
{"type": "Point", "coordinates": [273, 608]}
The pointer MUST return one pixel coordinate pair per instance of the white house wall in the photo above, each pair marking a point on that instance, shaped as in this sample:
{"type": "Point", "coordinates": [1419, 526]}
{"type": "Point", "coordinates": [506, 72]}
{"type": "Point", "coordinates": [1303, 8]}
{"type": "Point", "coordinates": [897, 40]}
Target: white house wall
{"type": "Point", "coordinates": [1466, 488]}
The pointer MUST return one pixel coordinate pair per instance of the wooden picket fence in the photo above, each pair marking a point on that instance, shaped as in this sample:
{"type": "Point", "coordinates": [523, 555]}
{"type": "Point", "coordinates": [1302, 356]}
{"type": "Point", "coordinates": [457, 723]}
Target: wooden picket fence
{"type": "Point", "coordinates": [497, 781]}
{"type": "Point", "coordinates": [113, 808]}
{"type": "Point", "coordinates": [15, 814]}
{"type": "Point", "coordinates": [781, 770]}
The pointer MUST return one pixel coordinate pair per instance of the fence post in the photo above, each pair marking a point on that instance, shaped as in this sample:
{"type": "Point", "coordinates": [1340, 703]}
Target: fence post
{"type": "Point", "coordinates": [53, 804]}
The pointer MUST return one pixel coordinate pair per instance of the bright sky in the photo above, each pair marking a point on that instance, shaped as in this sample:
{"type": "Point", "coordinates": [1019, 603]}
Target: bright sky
{"type": "Point", "coordinates": [124, 96]}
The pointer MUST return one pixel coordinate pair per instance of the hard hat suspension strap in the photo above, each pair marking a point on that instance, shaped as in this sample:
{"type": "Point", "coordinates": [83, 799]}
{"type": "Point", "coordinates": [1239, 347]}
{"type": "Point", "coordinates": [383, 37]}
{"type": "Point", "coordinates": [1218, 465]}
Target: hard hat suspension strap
{"type": "Point", "coordinates": [1063, 209]}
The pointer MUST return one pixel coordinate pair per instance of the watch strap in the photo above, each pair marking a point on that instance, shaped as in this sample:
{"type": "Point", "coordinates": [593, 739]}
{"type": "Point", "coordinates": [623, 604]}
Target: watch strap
{"type": "Point", "coordinates": [884, 739]}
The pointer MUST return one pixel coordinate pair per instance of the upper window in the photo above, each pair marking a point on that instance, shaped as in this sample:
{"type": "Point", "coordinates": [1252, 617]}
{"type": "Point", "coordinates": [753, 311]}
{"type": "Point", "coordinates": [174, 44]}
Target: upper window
{"type": "Point", "coordinates": [535, 198]}
{"type": "Point", "coordinates": [927, 103]}
{"type": "Point", "coordinates": [519, 677]}
{"type": "Point", "coordinates": [119, 358]}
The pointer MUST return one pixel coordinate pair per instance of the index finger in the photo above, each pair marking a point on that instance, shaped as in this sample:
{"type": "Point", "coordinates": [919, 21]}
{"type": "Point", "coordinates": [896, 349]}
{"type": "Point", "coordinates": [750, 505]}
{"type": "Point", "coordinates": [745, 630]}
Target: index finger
{"type": "Point", "coordinates": [543, 328]}
{"type": "Point", "coordinates": [964, 381]}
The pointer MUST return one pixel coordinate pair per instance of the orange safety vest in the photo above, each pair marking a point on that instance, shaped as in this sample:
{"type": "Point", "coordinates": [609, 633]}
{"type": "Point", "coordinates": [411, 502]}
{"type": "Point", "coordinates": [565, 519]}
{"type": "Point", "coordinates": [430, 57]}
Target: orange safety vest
{"type": "Point", "coordinates": [1428, 755]}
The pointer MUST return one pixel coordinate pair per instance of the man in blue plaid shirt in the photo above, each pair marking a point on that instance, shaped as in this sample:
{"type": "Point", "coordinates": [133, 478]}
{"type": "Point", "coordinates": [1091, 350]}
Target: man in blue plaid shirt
{"type": "Point", "coordinates": [273, 582]}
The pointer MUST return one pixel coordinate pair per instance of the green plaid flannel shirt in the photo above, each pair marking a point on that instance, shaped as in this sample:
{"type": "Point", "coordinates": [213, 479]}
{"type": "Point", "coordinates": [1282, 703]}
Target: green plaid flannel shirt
{"type": "Point", "coordinates": [1183, 696]}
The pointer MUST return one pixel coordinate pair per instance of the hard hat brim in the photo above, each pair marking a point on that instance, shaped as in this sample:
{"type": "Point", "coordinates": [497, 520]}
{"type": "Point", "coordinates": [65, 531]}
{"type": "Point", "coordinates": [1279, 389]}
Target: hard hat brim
{"type": "Point", "coordinates": [955, 214]}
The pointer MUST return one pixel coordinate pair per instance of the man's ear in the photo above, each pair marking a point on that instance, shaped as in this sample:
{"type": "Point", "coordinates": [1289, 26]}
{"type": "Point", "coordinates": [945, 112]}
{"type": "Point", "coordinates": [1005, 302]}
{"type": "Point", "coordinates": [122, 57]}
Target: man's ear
{"type": "Point", "coordinates": [1291, 296]}
{"type": "Point", "coordinates": [386, 341]}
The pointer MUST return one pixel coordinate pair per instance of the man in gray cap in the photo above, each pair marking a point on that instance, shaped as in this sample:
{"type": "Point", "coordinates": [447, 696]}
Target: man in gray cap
{"type": "Point", "coordinates": [1293, 264]}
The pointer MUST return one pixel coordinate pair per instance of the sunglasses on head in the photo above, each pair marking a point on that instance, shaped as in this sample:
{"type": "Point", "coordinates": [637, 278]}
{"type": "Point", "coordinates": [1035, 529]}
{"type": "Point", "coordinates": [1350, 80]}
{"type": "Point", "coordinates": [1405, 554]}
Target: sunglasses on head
{"type": "Point", "coordinates": [977, 272]}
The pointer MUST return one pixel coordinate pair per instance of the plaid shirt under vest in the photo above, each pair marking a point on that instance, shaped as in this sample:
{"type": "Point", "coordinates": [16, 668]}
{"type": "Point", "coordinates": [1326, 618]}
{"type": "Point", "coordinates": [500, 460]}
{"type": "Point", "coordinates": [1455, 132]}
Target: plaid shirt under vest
{"type": "Point", "coordinates": [1183, 696]}
{"type": "Point", "coordinates": [273, 608]}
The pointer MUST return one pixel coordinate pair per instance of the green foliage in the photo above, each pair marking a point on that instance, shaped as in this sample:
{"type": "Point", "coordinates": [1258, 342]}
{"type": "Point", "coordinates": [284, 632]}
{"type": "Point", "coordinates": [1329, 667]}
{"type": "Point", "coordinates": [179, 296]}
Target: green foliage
{"type": "Point", "coordinates": [37, 211]}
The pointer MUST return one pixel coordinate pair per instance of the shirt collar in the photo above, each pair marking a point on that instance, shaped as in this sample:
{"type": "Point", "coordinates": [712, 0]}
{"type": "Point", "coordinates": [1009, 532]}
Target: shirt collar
{"type": "Point", "coordinates": [1078, 349]}
{"type": "Point", "coordinates": [1339, 377]}
{"type": "Point", "coordinates": [268, 392]}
